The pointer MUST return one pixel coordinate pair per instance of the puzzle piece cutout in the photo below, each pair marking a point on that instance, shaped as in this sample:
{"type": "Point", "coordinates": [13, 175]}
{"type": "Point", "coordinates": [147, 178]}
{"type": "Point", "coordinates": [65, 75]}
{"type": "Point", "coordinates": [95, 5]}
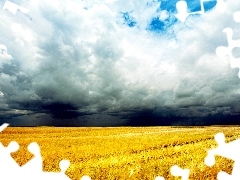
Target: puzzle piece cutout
{"type": "Point", "coordinates": [4, 55]}
{"type": "Point", "coordinates": [3, 126]}
{"type": "Point", "coordinates": [223, 51]}
{"type": "Point", "coordinates": [1, 94]}
{"type": "Point", "coordinates": [177, 171]}
{"type": "Point", "coordinates": [228, 150]}
{"type": "Point", "coordinates": [33, 169]}
{"type": "Point", "coordinates": [182, 9]}
{"type": "Point", "coordinates": [182, 14]}
{"type": "Point", "coordinates": [236, 16]}
{"type": "Point", "coordinates": [85, 177]}
{"type": "Point", "coordinates": [7, 164]}
{"type": "Point", "coordinates": [159, 178]}
{"type": "Point", "coordinates": [220, 6]}
{"type": "Point", "coordinates": [13, 8]}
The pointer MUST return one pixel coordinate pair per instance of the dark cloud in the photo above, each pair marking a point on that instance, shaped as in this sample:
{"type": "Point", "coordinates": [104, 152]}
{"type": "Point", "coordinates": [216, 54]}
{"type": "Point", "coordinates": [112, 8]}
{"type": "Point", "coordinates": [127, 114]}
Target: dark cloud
{"type": "Point", "coordinates": [62, 110]}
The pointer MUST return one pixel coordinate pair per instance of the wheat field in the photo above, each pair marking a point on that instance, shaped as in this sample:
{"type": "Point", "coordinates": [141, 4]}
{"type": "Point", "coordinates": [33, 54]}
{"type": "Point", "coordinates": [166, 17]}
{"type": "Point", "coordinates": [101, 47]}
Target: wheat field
{"type": "Point", "coordinates": [123, 152]}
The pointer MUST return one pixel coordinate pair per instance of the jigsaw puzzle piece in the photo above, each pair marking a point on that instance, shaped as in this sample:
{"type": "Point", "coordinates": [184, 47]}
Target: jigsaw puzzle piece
{"type": "Point", "coordinates": [223, 51]}
{"type": "Point", "coordinates": [34, 165]}
{"type": "Point", "coordinates": [236, 16]}
{"type": "Point", "coordinates": [228, 150]}
{"type": "Point", "coordinates": [85, 177]}
{"type": "Point", "coordinates": [3, 126]}
{"type": "Point", "coordinates": [33, 169]}
{"type": "Point", "coordinates": [220, 6]}
{"type": "Point", "coordinates": [64, 164]}
{"type": "Point", "coordinates": [224, 176]}
{"type": "Point", "coordinates": [181, 7]}
{"type": "Point", "coordinates": [41, 175]}
{"type": "Point", "coordinates": [13, 8]}
{"type": "Point", "coordinates": [177, 171]}
{"type": "Point", "coordinates": [157, 178]}
{"type": "Point", "coordinates": [7, 164]}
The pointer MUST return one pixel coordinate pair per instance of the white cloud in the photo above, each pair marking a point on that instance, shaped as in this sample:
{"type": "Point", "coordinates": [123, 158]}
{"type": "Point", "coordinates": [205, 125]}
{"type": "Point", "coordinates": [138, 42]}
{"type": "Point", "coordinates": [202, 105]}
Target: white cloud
{"type": "Point", "coordinates": [4, 55]}
{"type": "Point", "coordinates": [13, 8]}
{"type": "Point", "coordinates": [163, 15]}
{"type": "Point", "coordinates": [21, 34]}
{"type": "Point", "coordinates": [5, 58]}
{"type": "Point", "coordinates": [1, 94]}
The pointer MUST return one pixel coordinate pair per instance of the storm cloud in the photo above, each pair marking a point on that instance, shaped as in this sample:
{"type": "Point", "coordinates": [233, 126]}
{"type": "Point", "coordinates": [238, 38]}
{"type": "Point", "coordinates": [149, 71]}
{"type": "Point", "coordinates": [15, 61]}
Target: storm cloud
{"type": "Point", "coordinates": [106, 63]}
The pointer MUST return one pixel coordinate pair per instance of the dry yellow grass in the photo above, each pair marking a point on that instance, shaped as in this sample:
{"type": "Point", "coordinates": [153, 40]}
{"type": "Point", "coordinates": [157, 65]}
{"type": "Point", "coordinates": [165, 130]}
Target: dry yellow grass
{"type": "Point", "coordinates": [124, 152]}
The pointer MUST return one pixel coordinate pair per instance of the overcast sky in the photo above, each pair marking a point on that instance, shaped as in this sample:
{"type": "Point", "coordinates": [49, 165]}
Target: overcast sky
{"type": "Point", "coordinates": [116, 62]}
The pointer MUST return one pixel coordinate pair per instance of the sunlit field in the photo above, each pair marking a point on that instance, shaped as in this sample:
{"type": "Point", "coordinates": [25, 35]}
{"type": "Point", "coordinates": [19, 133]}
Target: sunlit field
{"type": "Point", "coordinates": [124, 152]}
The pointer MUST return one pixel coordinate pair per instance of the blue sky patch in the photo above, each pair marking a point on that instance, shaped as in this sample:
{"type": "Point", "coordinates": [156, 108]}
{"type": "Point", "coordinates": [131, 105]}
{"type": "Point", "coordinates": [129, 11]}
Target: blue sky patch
{"type": "Point", "coordinates": [129, 20]}
{"type": "Point", "coordinates": [209, 5]}
{"type": "Point", "coordinates": [156, 25]}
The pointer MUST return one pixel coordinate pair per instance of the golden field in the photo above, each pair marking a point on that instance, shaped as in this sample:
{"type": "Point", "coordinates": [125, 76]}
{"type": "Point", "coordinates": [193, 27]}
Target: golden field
{"type": "Point", "coordinates": [123, 152]}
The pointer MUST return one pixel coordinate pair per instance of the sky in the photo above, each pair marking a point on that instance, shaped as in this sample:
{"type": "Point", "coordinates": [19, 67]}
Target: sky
{"type": "Point", "coordinates": [116, 63]}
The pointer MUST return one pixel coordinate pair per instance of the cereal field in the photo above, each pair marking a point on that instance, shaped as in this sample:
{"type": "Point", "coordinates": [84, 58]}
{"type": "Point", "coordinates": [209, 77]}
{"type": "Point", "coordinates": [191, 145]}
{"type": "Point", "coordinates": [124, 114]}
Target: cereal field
{"type": "Point", "coordinates": [123, 152]}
